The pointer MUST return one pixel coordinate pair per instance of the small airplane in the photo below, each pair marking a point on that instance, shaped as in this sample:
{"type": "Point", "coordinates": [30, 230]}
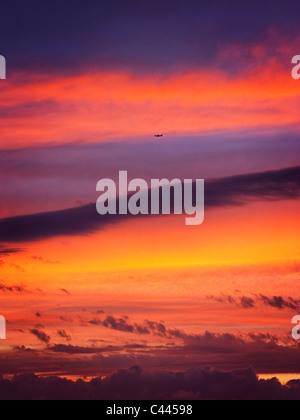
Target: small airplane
{"type": "Point", "coordinates": [158, 135]}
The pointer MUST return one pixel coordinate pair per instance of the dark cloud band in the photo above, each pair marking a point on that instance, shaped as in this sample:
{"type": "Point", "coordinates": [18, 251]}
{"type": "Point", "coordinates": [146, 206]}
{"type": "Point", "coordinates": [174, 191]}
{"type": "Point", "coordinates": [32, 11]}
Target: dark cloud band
{"type": "Point", "coordinates": [137, 384]}
{"type": "Point", "coordinates": [233, 191]}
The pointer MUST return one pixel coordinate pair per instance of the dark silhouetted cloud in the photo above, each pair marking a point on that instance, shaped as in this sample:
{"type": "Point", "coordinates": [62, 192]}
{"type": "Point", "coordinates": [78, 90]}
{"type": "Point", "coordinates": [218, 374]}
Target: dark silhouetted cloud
{"type": "Point", "coordinates": [64, 334]}
{"type": "Point", "coordinates": [24, 349]}
{"type": "Point", "coordinates": [136, 384]}
{"type": "Point", "coordinates": [66, 292]}
{"type": "Point", "coordinates": [13, 289]}
{"type": "Point", "coordinates": [265, 352]}
{"type": "Point", "coordinates": [69, 349]}
{"type": "Point", "coordinates": [280, 303]}
{"type": "Point", "coordinates": [5, 251]}
{"type": "Point", "coordinates": [233, 191]}
{"type": "Point", "coordinates": [117, 324]}
{"type": "Point", "coordinates": [41, 335]}
{"type": "Point", "coordinates": [125, 325]}
{"type": "Point", "coordinates": [277, 302]}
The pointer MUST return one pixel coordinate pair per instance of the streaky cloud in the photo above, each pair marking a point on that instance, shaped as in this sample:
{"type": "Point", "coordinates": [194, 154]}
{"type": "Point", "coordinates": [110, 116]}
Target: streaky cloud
{"type": "Point", "coordinates": [232, 191]}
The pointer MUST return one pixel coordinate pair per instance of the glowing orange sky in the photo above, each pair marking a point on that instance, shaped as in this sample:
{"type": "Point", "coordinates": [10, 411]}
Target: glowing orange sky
{"type": "Point", "coordinates": [120, 270]}
{"type": "Point", "coordinates": [234, 236]}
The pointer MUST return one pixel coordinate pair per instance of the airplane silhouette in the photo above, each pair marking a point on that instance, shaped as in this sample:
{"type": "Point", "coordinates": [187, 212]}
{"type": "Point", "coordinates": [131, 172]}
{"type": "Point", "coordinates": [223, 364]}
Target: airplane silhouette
{"type": "Point", "coordinates": [158, 135]}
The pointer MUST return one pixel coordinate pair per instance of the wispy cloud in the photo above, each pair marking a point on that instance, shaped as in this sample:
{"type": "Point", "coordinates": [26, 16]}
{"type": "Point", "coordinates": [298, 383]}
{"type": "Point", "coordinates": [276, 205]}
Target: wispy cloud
{"type": "Point", "coordinates": [42, 336]}
{"type": "Point", "coordinates": [64, 334]}
{"type": "Point", "coordinates": [5, 251]}
{"type": "Point", "coordinates": [124, 324]}
{"type": "Point", "coordinates": [254, 301]}
{"type": "Point", "coordinates": [13, 289]}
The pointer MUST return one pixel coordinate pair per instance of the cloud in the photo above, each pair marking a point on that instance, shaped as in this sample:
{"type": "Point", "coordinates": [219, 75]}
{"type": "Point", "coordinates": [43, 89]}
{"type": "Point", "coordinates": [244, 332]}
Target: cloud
{"type": "Point", "coordinates": [232, 191]}
{"type": "Point", "coordinates": [65, 291]}
{"type": "Point", "coordinates": [280, 303]}
{"type": "Point", "coordinates": [5, 251]}
{"type": "Point", "coordinates": [137, 384]}
{"type": "Point", "coordinates": [125, 325]}
{"type": "Point", "coordinates": [41, 335]}
{"type": "Point", "coordinates": [63, 334]}
{"type": "Point", "coordinates": [69, 349]}
{"type": "Point", "coordinates": [157, 328]}
{"type": "Point", "coordinates": [24, 349]}
{"type": "Point", "coordinates": [247, 302]}
{"type": "Point", "coordinates": [13, 289]}
{"type": "Point", "coordinates": [277, 302]}
{"type": "Point", "coordinates": [264, 352]}
{"type": "Point", "coordinates": [117, 324]}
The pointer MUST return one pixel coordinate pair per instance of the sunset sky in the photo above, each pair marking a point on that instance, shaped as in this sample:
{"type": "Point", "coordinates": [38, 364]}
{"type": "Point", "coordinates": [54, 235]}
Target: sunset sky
{"type": "Point", "coordinates": [88, 85]}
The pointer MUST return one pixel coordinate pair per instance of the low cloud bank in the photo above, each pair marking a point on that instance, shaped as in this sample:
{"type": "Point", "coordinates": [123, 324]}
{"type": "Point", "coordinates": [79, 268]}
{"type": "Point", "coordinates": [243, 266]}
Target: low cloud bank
{"type": "Point", "coordinates": [136, 384]}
